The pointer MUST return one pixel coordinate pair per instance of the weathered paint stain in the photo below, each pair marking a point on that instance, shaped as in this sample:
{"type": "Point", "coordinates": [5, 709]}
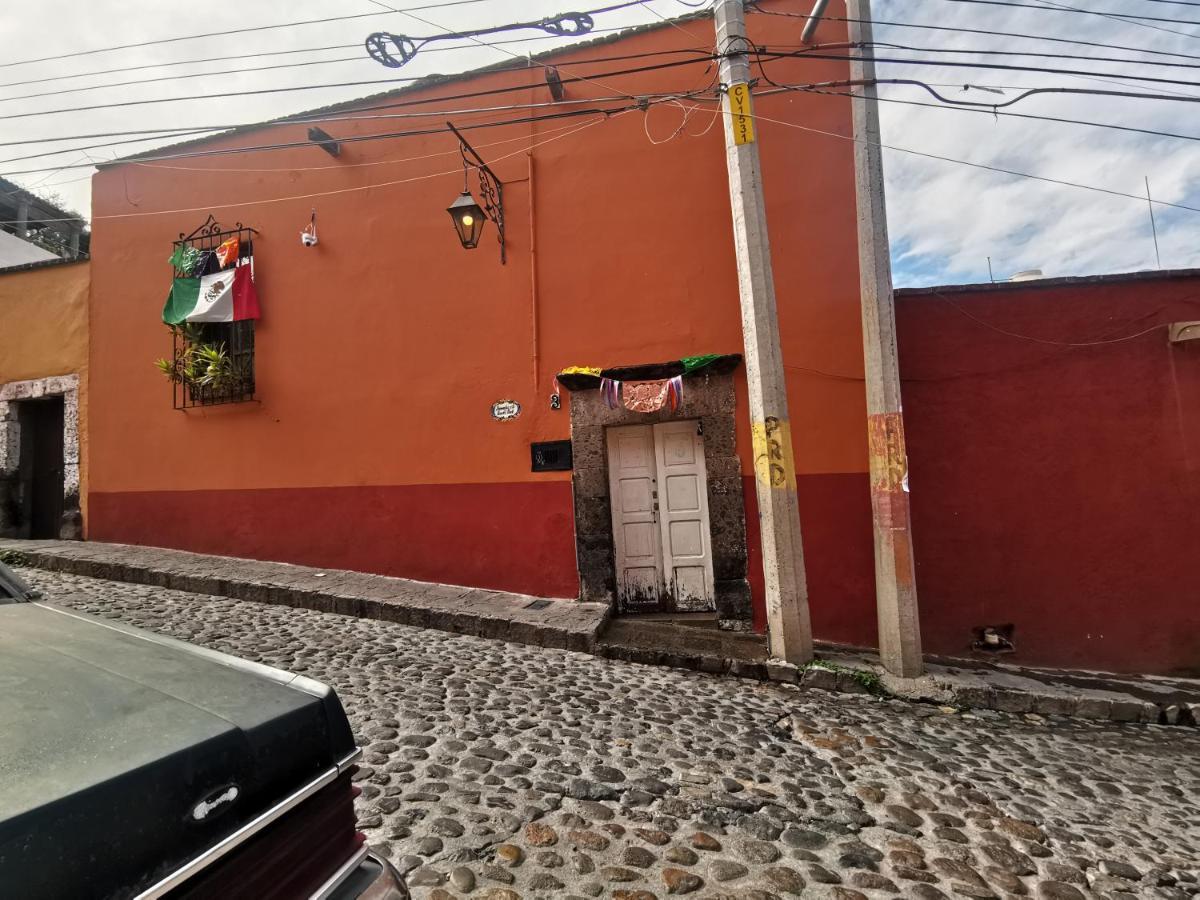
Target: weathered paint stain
{"type": "Point", "coordinates": [889, 471]}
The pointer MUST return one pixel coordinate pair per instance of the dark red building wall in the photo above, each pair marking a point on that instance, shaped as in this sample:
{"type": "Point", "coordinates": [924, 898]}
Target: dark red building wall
{"type": "Point", "coordinates": [1057, 487]}
{"type": "Point", "coordinates": [510, 537]}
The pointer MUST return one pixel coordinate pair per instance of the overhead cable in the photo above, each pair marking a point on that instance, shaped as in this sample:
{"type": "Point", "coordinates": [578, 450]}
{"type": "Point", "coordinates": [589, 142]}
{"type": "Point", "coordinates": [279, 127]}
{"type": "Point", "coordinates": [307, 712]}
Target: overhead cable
{"type": "Point", "coordinates": [289, 145]}
{"type": "Point", "coordinates": [303, 64]}
{"type": "Point", "coordinates": [396, 50]}
{"type": "Point", "coordinates": [432, 113]}
{"type": "Point", "coordinates": [210, 34]}
{"type": "Point", "coordinates": [1134, 17]}
{"type": "Point", "coordinates": [610, 113]}
{"type": "Point", "coordinates": [985, 32]}
{"type": "Point", "coordinates": [310, 87]}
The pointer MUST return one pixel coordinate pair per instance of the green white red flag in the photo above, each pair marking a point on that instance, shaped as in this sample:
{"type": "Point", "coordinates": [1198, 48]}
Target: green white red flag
{"type": "Point", "coordinates": [225, 296]}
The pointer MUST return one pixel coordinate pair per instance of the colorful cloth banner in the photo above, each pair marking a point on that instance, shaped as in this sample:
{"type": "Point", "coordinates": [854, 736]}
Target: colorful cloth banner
{"type": "Point", "coordinates": [228, 296]}
{"type": "Point", "coordinates": [611, 392]}
{"type": "Point", "coordinates": [185, 258]}
{"type": "Point", "coordinates": [647, 396]}
{"type": "Point", "coordinates": [228, 252]}
{"type": "Point", "coordinates": [581, 370]}
{"type": "Point", "coordinates": [675, 392]}
{"type": "Point", "coordinates": [692, 363]}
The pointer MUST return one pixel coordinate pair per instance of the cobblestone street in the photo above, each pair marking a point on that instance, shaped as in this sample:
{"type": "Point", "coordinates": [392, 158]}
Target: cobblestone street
{"type": "Point", "coordinates": [502, 771]}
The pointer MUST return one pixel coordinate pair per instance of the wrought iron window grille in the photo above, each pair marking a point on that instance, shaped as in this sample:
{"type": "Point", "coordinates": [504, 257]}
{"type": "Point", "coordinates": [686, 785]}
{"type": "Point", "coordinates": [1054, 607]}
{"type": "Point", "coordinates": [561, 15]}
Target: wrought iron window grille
{"type": "Point", "coordinates": [236, 339]}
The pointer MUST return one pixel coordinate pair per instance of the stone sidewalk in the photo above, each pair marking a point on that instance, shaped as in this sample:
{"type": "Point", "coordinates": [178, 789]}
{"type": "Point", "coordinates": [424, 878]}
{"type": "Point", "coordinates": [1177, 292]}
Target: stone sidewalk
{"type": "Point", "coordinates": [519, 618]}
{"type": "Point", "coordinates": [585, 627]}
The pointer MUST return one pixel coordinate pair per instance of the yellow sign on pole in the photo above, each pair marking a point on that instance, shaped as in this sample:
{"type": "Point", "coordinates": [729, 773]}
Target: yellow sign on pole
{"type": "Point", "coordinates": [742, 113]}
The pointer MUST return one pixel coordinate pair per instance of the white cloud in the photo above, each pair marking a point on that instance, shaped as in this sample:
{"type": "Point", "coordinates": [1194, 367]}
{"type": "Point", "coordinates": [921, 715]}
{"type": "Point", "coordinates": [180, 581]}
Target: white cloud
{"type": "Point", "coordinates": [946, 219]}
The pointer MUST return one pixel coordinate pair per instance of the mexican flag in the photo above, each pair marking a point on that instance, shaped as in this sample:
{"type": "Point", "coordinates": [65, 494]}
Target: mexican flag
{"type": "Point", "coordinates": [227, 296]}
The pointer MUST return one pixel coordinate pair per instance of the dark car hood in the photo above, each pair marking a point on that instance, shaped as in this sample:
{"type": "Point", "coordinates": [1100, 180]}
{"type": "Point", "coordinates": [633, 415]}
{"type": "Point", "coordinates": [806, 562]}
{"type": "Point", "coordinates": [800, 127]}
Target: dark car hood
{"type": "Point", "coordinates": [119, 749]}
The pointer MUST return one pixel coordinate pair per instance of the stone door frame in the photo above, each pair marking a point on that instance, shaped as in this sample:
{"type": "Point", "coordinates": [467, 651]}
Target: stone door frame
{"type": "Point", "coordinates": [11, 394]}
{"type": "Point", "coordinates": [709, 399]}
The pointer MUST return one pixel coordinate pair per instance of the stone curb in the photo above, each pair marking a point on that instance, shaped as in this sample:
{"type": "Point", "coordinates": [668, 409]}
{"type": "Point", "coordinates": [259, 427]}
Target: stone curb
{"type": "Point", "coordinates": [943, 686]}
{"type": "Point", "coordinates": [969, 692]}
{"type": "Point", "coordinates": [461, 620]}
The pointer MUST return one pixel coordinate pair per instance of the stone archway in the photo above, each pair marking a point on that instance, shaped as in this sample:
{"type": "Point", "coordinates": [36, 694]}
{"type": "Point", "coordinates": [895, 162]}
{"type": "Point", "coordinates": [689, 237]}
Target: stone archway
{"type": "Point", "coordinates": [12, 522]}
{"type": "Point", "coordinates": [710, 399]}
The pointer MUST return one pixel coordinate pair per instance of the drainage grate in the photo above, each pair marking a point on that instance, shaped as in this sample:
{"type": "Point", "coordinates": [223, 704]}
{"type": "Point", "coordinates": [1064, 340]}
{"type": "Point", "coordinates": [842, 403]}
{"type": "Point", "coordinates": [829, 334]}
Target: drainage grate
{"type": "Point", "coordinates": [537, 604]}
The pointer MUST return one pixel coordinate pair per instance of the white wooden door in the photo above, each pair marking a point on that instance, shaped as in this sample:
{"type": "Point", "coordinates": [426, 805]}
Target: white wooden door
{"type": "Point", "coordinates": [633, 491]}
{"type": "Point", "coordinates": [659, 492]}
{"type": "Point", "coordinates": [683, 515]}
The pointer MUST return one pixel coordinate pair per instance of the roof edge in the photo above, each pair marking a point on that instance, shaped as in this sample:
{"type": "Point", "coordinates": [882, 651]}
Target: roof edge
{"type": "Point", "coordinates": [41, 264]}
{"type": "Point", "coordinates": [1042, 283]}
{"type": "Point", "coordinates": [428, 81]}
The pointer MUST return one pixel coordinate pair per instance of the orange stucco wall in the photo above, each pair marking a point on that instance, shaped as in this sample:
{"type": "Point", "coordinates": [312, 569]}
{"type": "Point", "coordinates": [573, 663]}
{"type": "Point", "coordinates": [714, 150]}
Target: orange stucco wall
{"type": "Point", "coordinates": [44, 332]}
{"type": "Point", "coordinates": [381, 350]}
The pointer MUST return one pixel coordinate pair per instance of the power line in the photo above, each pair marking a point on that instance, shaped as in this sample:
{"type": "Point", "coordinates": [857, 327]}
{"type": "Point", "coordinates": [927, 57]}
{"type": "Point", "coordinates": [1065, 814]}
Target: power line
{"type": "Point", "coordinates": [608, 113]}
{"type": "Point", "coordinates": [988, 33]}
{"type": "Point", "coordinates": [191, 37]}
{"type": "Point", "coordinates": [185, 62]}
{"type": "Point", "coordinates": [962, 64]}
{"type": "Point", "coordinates": [396, 50]}
{"type": "Point", "coordinates": [1116, 18]}
{"type": "Point", "coordinates": [636, 104]}
{"type": "Point", "coordinates": [475, 36]}
{"type": "Point", "coordinates": [433, 113]}
{"type": "Point", "coordinates": [389, 81]}
{"type": "Point", "coordinates": [362, 187]}
{"type": "Point", "coordinates": [316, 117]}
{"type": "Point", "coordinates": [492, 44]}
{"type": "Point", "coordinates": [1017, 115]}
{"type": "Point", "coordinates": [1086, 12]}
{"type": "Point", "coordinates": [974, 51]}
{"type": "Point", "coordinates": [962, 162]}
{"type": "Point", "coordinates": [304, 64]}
{"type": "Point", "coordinates": [779, 53]}
{"type": "Point", "coordinates": [261, 91]}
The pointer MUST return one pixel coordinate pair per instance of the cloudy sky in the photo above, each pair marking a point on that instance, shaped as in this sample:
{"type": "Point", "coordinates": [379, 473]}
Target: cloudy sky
{"type": "Point", "coordinates": [946, 218]}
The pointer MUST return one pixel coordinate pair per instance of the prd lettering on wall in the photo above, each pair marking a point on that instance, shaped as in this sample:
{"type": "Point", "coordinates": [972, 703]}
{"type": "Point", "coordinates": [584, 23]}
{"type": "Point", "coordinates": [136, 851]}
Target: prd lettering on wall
{"type": "Point", "coordinates": [773, 462]}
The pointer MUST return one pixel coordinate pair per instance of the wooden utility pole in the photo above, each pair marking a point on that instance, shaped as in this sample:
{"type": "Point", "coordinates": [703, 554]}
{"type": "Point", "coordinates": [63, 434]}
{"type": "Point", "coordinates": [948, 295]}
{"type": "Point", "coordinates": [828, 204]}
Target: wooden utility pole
{"type": "Point", "coordinates": [895, 583]}
{"type": "Point", "coordinates": [775, 472]}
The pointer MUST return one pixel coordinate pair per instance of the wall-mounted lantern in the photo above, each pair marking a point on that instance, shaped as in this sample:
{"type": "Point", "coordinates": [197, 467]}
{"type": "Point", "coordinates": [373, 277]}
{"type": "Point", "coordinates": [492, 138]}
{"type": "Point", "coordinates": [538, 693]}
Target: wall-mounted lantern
{"type": "Point", "coordinates": [468, 219]}
{"type": "Point", "coordinates": [468, 215]}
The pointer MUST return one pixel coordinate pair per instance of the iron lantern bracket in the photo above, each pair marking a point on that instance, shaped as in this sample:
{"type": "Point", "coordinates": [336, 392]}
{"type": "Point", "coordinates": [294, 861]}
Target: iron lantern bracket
{"type": "Point", "coordinates": [491, 188]}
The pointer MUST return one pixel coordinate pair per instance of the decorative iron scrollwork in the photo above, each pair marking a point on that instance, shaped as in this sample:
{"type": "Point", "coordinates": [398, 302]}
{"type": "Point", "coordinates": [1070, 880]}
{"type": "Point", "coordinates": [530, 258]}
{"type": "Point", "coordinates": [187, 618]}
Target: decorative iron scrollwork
{"type": "Point", "coordinates": [396, 50]}
{"type": "Point", "coordinates": [491, 188]}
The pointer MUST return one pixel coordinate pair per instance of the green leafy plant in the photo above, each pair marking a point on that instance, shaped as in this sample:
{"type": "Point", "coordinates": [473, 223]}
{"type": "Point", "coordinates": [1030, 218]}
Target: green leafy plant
{"type": "Point", "coordinates": [13, 558]}
{"type": "Point", "coordinates": [216, 369]}
{"type": "Point", "coordinates": [200, 365]}
{"type": "Point", "coordinates": [870, 681]}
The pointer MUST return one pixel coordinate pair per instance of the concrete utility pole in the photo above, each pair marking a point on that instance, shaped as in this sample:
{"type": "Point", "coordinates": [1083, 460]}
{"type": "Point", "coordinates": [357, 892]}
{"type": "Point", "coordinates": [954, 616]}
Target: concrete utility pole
{"type": "Point", "coordinates": [775, 472]}
{"type": "Point", "coordinates": [895, 583]}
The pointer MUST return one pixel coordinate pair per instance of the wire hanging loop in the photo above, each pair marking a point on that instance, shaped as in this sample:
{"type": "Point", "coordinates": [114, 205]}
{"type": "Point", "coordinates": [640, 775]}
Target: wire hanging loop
{"type": "Point", "coordinates": [381, 45]}
{"type": "Point", "coordinates": [396, 50]}
{"type": "Point", "coordinates": [567, 24]}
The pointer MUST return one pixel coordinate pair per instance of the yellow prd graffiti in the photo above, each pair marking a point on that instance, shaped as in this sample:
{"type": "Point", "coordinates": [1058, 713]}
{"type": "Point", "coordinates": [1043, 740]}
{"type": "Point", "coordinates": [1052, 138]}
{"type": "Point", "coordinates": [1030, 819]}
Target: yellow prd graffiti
{"type": "Point", "coordinates": [773, 463]}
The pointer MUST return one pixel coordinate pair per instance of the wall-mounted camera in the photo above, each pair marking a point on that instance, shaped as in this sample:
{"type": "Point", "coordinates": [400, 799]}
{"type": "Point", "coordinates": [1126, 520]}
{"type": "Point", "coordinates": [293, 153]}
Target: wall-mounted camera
{"type": "Point", "coordinates": [308, 237]}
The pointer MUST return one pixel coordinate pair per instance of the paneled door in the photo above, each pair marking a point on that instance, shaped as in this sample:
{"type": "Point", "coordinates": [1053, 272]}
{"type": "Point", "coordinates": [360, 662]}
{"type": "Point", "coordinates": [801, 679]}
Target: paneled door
{"type": "Point", "coordinates": [661, 535]}
{"type": "Point", "coordinates": [683, 515]}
